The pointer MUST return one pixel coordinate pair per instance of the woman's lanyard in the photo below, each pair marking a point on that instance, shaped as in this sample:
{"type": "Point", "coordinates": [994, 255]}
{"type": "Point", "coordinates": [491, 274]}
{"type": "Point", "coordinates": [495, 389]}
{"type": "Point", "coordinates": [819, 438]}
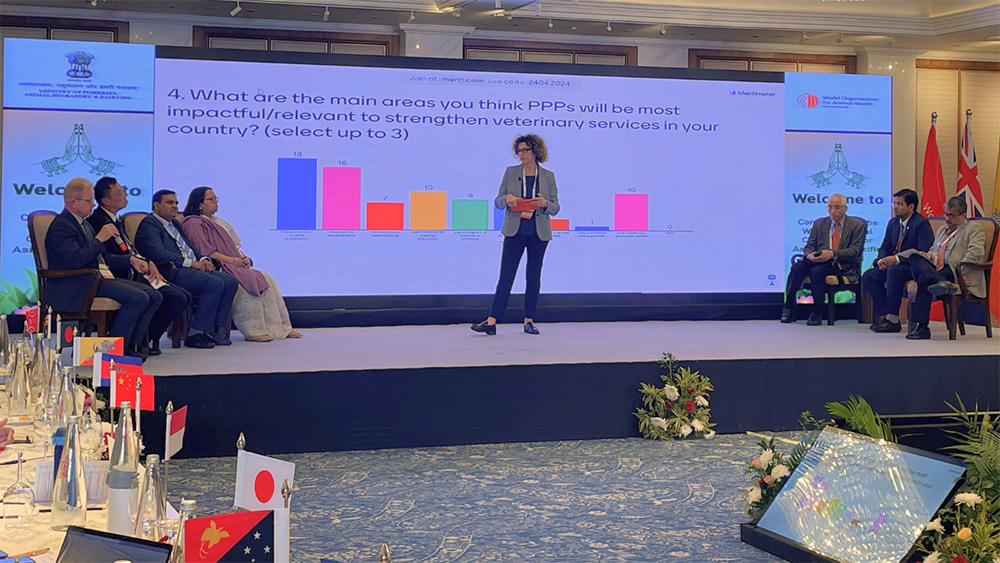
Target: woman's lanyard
{"type": "Point", "coordinates": [524, 183]}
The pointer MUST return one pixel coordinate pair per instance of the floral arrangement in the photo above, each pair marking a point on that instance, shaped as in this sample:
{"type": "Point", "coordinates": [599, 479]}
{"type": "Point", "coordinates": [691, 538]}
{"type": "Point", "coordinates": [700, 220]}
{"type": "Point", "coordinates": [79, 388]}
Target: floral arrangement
{"type": "Point", "coordinates": [967, 529]}
{"type": "Point", "coordinates": [678, 409]}
{"type": "Point", "coordinates": [770, 469]}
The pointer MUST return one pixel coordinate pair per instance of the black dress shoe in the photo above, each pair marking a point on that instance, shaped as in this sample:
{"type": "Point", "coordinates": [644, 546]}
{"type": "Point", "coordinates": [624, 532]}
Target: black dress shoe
{"type": "Point", "coordinates": [529, 327]}
{"type": "Point", "coordinates": [490, 329]}
{"type": "Point", "coordinates": [920, 333]}
{"type": "Point", "coordinates": [154, 348]}
{"type": "Point", "coordinates": [815, 319]}
{"type": "Point", "coordinates": [887, 326]}
{"type": "Point", "coordinates": [788, 315]}
{"type": "Point", "coordinates": [198, 341]}
{"type": "Point", "coordinates": [218, 337]}
{"type": "Point", "coordinates": [942, 287]}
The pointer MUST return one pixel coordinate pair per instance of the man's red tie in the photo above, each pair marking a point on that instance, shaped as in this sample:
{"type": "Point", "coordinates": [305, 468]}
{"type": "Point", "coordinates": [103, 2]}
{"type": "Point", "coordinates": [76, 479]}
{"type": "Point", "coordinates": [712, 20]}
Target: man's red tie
{"type": "Point", "coordinates": [835, 243]}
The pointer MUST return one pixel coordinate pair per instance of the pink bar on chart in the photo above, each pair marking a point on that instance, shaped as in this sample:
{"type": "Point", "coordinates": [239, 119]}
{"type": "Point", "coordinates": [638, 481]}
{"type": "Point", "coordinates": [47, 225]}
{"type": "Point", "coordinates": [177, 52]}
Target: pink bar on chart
{"type": "Point", "coordinates": [631, 212]}
{"type": "Point", "coordinates": [341, 198]}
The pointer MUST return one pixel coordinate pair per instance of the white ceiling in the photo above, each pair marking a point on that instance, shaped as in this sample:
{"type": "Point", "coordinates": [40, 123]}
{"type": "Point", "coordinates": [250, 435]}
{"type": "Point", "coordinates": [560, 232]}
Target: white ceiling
{"type": "Point", "coordinates": [958, 26]}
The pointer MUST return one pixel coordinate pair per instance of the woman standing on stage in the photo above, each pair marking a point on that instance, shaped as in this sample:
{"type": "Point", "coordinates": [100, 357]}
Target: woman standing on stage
{"type": "Point", "coordinates": [528, 229]}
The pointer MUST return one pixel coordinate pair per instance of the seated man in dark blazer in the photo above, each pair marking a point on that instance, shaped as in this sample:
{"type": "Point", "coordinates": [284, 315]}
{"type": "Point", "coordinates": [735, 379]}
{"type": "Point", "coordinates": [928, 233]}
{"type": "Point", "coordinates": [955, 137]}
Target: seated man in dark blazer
{"type": "Point", "coordinates": [72, 243]}
{"type": "Point", "coordinates": [833, 248]}
{"type": "Point", "coordinates": [161, 238]}
{"type": "Point", "coordinates": [886, 281]}
{"type": "Point", "coordinates": [111, 198]}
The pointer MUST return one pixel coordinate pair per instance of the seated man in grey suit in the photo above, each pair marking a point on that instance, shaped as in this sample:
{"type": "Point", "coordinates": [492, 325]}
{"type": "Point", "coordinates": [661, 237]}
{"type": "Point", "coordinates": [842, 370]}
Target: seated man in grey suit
{"type": "Point", "coordinates": [71, 244]}
{"type": "Point", "coordinates": [937, 270]}
{"type": "Point", "coordinates": [833, 248]}
{"type": "Point", "coordinates": [161, 239]}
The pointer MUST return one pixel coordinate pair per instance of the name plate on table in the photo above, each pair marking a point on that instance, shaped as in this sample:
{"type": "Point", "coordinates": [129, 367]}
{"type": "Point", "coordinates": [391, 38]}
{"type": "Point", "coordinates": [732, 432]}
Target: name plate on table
{"type": "Point", "coordinates": [94, 472]}
{"type": "Point", "coordinates": [857, 499]}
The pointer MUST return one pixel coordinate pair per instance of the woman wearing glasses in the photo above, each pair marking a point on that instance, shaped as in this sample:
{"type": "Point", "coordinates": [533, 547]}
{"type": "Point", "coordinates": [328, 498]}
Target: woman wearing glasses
{"type": "Point", "coordinates": [529, 194]}
{"type": "Point", "coordinates": [259, 312]}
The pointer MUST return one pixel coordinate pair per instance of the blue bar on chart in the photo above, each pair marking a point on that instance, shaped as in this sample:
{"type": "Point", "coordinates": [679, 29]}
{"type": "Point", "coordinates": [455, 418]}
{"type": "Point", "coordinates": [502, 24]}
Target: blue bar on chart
{"type": "Point", "coordinates": [296, 194]}
{"type": "Point", "coordinates": [591, 228]}
{"type": "Point", "coordinates": [498, 215]}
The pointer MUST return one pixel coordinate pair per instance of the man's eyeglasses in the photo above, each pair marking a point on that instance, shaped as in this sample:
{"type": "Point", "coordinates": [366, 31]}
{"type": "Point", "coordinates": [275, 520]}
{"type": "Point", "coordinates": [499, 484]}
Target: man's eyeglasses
{"type": "Point", "coordinates": [953, 215]}
{"type": "Point", "coordinates": [834, 206]}
{"type": "Point", "coordinates": [90, 201]}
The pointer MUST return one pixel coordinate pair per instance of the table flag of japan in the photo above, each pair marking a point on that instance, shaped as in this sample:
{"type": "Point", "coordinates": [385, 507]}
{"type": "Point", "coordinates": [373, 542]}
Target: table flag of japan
{"type": "Point", "coordinates": [260, 536]}
{"type": "Point", "coordinates": [123, 364]}
{"type": "Point", "coordinates": [123, 389]}
{"type": "Point", "coordinates": [259, 479]}
{"type": "Point", "coordinates": [176, 421]}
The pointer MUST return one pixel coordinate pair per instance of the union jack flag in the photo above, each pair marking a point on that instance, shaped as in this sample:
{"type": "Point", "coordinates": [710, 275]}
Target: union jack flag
{"type": "Point", "coordinates": [968, 175]}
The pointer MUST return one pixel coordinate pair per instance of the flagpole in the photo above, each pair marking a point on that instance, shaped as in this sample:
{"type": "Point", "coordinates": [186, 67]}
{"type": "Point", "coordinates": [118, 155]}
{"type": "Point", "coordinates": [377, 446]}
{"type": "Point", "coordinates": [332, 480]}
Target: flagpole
{"type": "Point", "coordinates": [166, 446]}
{"type": "Point", "coordinates": [138, 405]}
{"type": "Point", "coordinates": [111, 392]}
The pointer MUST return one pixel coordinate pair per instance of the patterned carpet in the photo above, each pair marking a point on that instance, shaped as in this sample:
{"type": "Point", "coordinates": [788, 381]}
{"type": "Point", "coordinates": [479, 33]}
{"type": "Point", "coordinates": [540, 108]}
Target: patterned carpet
{"type": "Point", "coordinates": [625, 500]}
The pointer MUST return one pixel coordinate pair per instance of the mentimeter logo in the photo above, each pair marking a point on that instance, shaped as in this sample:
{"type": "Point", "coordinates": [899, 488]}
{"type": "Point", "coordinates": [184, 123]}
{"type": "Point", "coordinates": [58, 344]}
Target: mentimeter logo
{"type": "Point", "coordinates": [807, 100]}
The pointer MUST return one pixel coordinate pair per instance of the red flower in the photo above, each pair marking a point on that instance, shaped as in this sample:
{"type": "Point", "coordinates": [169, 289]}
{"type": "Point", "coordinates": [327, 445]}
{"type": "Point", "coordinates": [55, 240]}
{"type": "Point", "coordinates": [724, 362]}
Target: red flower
{"type": "Point", "coordinates": [689, 406]}
{"type": "Point", "coordinates": [670, 405]}
{"type": "Point", "coordinates": [761, 482]}
{"type": "Point", "coordinates": [960, 559]}
{"type": "Point", "coordinates": [690, 391]}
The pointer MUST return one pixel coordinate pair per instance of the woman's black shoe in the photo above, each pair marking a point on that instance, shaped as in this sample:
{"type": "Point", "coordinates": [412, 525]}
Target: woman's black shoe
{"type": "Point", "coordinates": [485, 327]}
{"type": "Point", "coordinates": [529, 327]}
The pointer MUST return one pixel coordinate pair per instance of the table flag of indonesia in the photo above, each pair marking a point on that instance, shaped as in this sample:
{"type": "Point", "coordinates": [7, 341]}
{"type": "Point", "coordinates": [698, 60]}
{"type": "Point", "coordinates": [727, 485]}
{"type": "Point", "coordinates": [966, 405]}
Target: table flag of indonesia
{"type": "Point", "coordinates": [260, 536]}
{"type": "Point", "coordinates": [102, 367]}
{"type": "Point", "coordinates": [176, 421]}
{"type": "Point", "coordinates": [259, 479]}
{"type": "Point", "coordinates": [123, 389]}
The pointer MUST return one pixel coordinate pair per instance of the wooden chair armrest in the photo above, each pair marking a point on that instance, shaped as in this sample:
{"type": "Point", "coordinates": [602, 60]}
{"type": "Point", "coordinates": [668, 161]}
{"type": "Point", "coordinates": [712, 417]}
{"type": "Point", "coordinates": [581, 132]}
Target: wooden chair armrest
{"type": "Point", "coordinates": [978, 265]}
{"type": "Point", "coordinates": [88, 301]}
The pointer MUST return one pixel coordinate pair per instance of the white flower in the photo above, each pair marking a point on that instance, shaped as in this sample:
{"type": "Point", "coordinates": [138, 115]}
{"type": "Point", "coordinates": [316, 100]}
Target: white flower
{"type": "Point", "coordinates": [685, 430]}
{"type": "Point", "coordinates": [766, 457]}
{"type": "Point", "coordinates": [996, 559]}
{"type": "Point", "coordinates": [779, 472]}
{"type": "Point", "coordinates": [934, 525]}
{"type": "Point", "coordinates": [697, 425]}
{"type": "Point", "coordinates": [932, 557]}
{"type": "Point", "coordinates": [968, 499]}
{"type": "Point", "coordinates": [701, 401]}
{"type": "Point", "coordinates": [658, 422]}
{"type": "Point", "coordinates": [710, 433]}
{"type": "Point", "coordinates": [672, 393]}
{"type": "Point", "coordinates": [754, 494]}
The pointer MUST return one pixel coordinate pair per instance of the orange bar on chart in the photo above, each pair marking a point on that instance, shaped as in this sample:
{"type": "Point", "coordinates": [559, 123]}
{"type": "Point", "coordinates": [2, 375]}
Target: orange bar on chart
{"type": "Point", "coordinates": [559, 224]}
{"type": "Point", "coordinates": [384, 216]}
{"type": "Point", "coordinates": [428, 211]}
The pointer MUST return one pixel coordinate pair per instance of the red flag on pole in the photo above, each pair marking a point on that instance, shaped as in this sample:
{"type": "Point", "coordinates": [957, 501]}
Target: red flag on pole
{"type": "Point", "coordinates": [31, 320]}
{"type": "Point", "coordinates": [123, 389]}
{"type": "Point", "coordinates": [968, 173]}
{"type": "Point", "coordinates": [932, 204]}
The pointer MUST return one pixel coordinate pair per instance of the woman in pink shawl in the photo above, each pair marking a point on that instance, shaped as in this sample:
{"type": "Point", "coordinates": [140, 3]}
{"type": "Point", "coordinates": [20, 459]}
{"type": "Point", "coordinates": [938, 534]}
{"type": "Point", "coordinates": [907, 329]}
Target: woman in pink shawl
{"type": "Point", "coordinates": [259, 312]}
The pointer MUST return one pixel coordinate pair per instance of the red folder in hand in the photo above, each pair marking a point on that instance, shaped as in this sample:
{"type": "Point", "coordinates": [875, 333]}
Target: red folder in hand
{"type": "Point", "coordinates": [523, 205]}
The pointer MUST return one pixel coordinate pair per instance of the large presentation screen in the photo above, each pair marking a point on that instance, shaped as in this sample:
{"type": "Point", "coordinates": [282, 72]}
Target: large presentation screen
{"type": "Point", "coordinates": [343, 179]}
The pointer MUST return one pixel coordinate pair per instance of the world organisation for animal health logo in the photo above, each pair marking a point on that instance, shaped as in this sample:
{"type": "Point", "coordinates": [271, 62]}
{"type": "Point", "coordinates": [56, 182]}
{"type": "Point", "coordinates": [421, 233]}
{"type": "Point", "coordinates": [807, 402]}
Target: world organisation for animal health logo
{"type": "Point", "coordinates": [79, 64]}
{"type": "Point", "coordinates": [807, 100]}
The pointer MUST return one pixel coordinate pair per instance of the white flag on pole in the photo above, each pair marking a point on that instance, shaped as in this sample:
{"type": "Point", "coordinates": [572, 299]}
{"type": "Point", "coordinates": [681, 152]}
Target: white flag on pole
{"type": "Point", "coordinates": [259, 479]}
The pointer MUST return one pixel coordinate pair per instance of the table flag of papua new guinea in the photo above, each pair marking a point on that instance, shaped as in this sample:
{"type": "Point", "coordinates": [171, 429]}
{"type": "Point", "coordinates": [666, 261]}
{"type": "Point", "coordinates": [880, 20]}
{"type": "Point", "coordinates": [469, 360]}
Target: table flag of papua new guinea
{"type": "Point", "coordinates": [260, 536]}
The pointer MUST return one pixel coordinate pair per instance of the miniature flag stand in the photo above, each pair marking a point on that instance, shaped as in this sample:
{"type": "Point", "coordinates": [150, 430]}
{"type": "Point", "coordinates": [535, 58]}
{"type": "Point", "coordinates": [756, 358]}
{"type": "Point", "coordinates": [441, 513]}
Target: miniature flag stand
{"type": "Point", "coordinates": [256, 535]}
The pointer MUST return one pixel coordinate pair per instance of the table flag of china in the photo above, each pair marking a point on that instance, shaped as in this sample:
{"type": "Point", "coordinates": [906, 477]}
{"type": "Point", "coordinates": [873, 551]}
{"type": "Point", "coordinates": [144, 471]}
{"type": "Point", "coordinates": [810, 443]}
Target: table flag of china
{"type": "Point", "coordinates": [123, 389]}
{"type": "Point", "coordinates": [260, 536]}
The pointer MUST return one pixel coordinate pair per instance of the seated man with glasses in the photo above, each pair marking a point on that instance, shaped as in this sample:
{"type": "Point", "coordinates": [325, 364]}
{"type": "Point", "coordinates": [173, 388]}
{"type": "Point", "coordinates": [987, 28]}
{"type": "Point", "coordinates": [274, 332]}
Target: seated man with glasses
{"type": "Point", "coordinates": [937, 270]}
{"type": "Point", "coordinates": [833, 248]}
{"type": "Point", "coordinates": [71, 243]}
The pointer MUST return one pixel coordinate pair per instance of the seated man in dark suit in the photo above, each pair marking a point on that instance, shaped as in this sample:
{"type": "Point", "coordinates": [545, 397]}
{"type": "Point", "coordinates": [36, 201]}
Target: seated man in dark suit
{"type": "Point", "coordinates": [71, 244]}
{"type": "Point", "coordinates": [111, 198]}
{"type": "Point", "coordinates": [886, 281]}
{"type": "Point", "coordinates": [833, 248]}
{"type": "Point", "coordinates": [161, 238]}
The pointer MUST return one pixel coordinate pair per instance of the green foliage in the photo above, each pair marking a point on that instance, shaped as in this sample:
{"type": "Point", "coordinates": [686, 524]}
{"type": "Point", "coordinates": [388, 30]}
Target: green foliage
{"type": "Point", "coordinates": [678, 408]}
{"type": "Point", "coordinates": [859, 417]}
{"type": "Point", "coordinates": [769, 489]}
{"type": "Point", "coordinates": [13, 297]}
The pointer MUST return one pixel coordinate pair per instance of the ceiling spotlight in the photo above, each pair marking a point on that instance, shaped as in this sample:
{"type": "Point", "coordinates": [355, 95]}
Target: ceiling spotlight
{"type": "Point", "coordinates": [609, 26]}
{"type": "Point", "coordinates": [510, 16]}
{"type": "Point", "coordinates": [892, 41]}
{"type": "Point", "coordinates": [840, 38]}
{"type": "Point", "coordinates": [551, 25]}
{"type": "Point", "coordinates": [237, 9]}
{"type": "Point", "coordinates": [663, 30]}
{"type": "Point", "coordinates": [412, 17]}
{"type": "Point", "coordinates": [93, 3]}
{"type": "Point", "coordinates": [804, 38]}
{"type": "Point", "coordinates": [326, 14]}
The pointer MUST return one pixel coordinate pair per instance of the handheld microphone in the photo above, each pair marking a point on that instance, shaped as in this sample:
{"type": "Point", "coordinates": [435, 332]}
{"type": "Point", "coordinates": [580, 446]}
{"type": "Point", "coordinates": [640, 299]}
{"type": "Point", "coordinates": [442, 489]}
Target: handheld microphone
{"type": "Point", "coordinates": [122, 245]}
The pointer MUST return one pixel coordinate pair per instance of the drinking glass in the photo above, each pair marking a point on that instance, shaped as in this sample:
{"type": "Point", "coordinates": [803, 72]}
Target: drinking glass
{"type": "Point", "coordinates": [18, 501]}
{"type": "Point", "coordinates": [91, 439]}
{"type": "Point", "coordinates": [45, 424]}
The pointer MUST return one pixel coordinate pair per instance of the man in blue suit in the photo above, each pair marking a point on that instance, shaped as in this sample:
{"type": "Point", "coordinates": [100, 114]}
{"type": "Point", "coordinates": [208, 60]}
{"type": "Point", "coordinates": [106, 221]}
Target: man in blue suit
{"type": "Point", "coordinates": [71, 244]}
{"type": "Point", "coordinates": [886, 281]}
{"type": "Point", "coordinates": [161, 239]}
